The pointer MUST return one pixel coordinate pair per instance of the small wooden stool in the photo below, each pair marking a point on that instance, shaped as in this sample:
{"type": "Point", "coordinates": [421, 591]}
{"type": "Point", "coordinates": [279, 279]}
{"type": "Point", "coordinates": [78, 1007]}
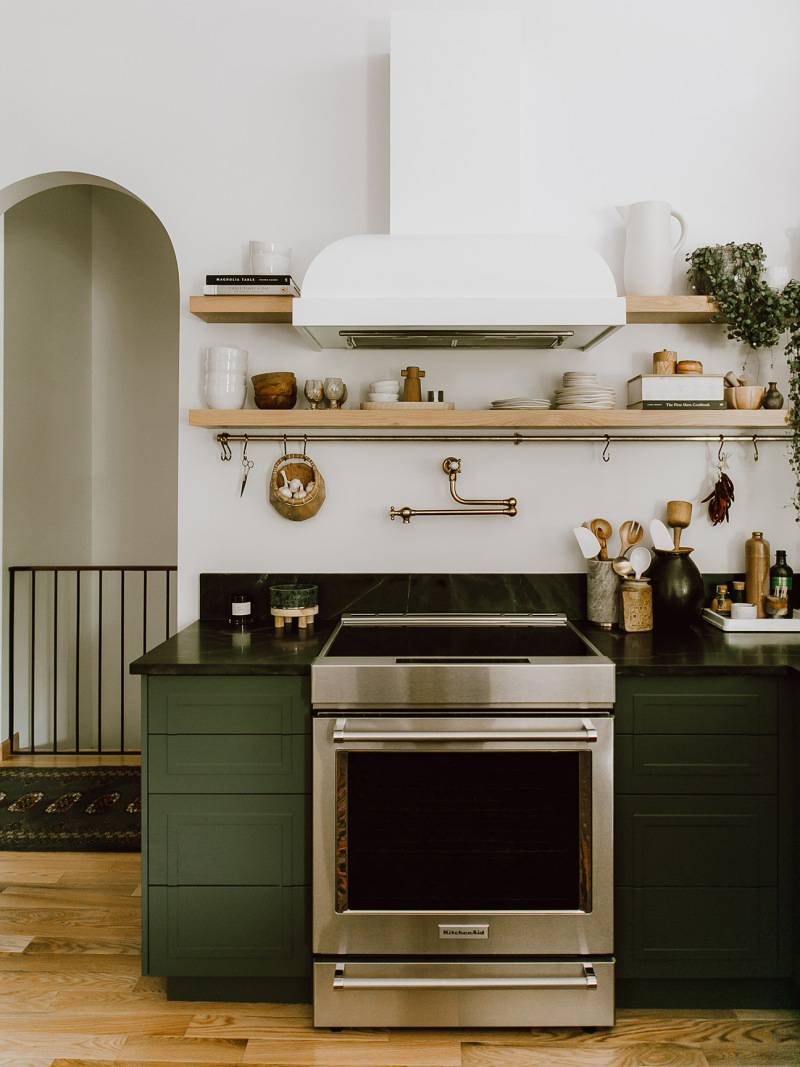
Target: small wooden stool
{"type": "Point", "coordinates": [304, 616]}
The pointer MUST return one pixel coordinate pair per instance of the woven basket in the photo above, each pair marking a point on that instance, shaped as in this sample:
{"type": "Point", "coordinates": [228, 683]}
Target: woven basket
{"type": "Point", "coordinates": [296, 465]}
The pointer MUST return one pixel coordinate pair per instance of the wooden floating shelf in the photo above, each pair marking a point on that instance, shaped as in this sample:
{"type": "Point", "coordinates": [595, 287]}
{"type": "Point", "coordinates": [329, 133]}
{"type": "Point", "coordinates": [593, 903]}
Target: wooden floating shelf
{"type": "Point", "coordinates": [617, 418]}
{"type": "Point", "coordinates": [667, 309]}
{"type": "Point", "coordinates": [641, 309]}
{"type": "Point", "coordinates": [242, 308]}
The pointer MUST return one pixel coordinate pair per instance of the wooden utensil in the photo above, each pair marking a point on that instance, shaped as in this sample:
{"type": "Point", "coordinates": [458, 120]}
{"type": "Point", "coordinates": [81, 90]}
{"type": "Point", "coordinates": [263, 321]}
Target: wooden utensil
{"type": "Point", "coordinates": [601, 528]}
{"type": "Point", "coordinates": [630, 534]}
{"type": "Point", "coordinates": [679, 515]}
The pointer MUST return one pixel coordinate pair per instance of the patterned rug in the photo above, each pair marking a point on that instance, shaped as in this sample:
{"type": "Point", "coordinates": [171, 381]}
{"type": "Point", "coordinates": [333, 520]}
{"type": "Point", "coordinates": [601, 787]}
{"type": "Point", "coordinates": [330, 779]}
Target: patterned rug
{"type": "Point", "coordinates": [75, 809]}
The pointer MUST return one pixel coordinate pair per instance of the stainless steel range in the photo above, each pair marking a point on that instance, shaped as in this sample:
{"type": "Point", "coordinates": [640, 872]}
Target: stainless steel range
{"type": "Point", "coordinates": [463, 823]}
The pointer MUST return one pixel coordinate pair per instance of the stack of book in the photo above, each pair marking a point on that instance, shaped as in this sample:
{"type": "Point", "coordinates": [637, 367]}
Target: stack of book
{"type": "Point", "coordinates": [250, 285]}
{"type": "Point", "coordinates": [678, 392]}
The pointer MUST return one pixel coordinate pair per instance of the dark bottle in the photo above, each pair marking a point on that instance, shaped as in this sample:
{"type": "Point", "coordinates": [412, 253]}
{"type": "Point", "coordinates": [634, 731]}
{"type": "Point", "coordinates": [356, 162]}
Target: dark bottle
{"type": "Point", "coordinates": [780, 579]}
{"type": "Point", "coordinates": [241, 614]}
{"type": "Point", "coordinates": [737, 596]}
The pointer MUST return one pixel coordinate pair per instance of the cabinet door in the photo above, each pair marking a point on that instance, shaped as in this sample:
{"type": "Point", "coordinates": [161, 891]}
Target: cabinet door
{"type": "Point", "coordinates": [691, 704]}
{"type": "Point", "coordinates": [214, 705]}
{"type": "Point", "coordinates": [696, 763]}
{"type": "Point", "coordinates": [696, 841]}
{"type": "Point", "coordinates": [675, 932]}
{"type": "Point", "coordinates": [230, 931]}
{"type": "Point", "coordinates": [228, 840]}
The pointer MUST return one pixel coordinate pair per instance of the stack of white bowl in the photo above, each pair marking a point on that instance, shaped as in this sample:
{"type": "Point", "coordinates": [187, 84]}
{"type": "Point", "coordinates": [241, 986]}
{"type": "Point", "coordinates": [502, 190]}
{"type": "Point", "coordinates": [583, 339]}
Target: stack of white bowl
{"type": "Point", "coordinates": [581, 390]}
{"type": "Point", "coordinates": [387, 392]}
{"type": "Point", "coordinates": [226, 377]}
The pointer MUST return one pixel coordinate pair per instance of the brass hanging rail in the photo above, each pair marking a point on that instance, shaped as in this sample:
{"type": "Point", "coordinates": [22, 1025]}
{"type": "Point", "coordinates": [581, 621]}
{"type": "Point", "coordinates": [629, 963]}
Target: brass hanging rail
{"type": "Point", "coordinates": [226, 439]}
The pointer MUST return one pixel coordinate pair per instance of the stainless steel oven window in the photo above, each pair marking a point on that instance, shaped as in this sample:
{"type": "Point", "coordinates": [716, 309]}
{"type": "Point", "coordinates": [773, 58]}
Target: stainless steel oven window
{"type": "Point", "coordinates": [463, 830]}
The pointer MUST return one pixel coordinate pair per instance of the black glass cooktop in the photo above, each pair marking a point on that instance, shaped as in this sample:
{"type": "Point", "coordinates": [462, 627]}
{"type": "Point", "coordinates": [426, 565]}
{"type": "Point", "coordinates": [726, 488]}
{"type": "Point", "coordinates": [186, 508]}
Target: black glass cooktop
{"type": "Point", "coordinates": [479, 641]}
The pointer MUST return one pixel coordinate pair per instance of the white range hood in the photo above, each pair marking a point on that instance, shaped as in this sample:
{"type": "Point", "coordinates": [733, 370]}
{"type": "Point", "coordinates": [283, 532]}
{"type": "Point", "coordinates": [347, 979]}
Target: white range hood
{"type": "Point", "coordinates": [455, 272]}
{"type": "Point", "coordinates": [435, 291]}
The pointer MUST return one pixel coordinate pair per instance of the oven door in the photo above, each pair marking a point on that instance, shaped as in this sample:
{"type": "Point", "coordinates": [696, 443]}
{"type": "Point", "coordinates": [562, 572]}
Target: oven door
{"type": "Point", "coordinates": [463, 835]}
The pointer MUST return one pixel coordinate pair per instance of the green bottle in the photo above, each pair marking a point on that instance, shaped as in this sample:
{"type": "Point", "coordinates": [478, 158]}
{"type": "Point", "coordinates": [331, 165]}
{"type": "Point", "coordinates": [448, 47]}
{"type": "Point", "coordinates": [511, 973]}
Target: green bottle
{"type": "Point", "coordinates": [780, 579]}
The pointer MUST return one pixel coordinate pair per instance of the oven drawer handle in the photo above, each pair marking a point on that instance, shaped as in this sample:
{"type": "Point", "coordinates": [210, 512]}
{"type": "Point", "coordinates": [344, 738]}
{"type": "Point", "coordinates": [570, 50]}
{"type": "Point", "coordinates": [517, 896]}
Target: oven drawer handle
{"type": "Point", "coordinates": [342, 734]}
{"type": "Point", "coordinates": [588, 981]}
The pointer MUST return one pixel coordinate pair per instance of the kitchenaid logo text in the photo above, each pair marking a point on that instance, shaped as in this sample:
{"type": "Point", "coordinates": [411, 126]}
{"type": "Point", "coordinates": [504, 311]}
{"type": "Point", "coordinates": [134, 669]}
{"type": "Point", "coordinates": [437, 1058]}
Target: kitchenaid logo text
{"type": "Point", "coordinates": [464, 931]}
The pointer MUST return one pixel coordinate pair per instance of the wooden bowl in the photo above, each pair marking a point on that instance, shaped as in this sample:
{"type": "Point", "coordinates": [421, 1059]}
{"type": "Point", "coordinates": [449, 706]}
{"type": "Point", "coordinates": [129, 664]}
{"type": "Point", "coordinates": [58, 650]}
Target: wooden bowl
{"type": "Point", "coordinates": [275, 389]}
{"type": "Point", "coordinates": [274, 378]}
{"type": "Point", "coordinates": [744, 397]}
{"type": "Point", "coordinates": [281, 401]}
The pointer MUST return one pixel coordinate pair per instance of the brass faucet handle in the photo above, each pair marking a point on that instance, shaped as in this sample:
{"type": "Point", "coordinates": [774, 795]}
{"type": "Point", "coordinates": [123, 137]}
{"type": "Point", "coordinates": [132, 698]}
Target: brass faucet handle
{"type": "Point", "coordinates": [451, 465]}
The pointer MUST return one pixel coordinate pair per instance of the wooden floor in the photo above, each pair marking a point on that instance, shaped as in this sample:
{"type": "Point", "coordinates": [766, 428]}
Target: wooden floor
{"type": "Point", "coordinates": [71, 994]}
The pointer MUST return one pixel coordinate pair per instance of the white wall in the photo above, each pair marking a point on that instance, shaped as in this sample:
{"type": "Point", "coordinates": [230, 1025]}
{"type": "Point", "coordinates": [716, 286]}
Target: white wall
{"type": "Point", "coordinates": [265, 120]}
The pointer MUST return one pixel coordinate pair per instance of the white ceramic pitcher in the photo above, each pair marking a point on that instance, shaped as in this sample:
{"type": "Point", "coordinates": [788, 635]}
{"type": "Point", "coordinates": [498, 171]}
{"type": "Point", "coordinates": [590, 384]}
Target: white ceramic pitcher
{"type": "Point", "coordinates": [649, 250]}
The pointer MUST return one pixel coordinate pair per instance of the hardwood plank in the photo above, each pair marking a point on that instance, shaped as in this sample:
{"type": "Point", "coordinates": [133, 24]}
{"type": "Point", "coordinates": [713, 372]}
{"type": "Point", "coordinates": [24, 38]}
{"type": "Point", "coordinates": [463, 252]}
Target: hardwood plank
{"type": "Point", "coordinates": [225, 308]}
{"type": "Point", "coordinates": [84, 987]}
{"type": "Point", "coordinates": [666, 1015]}
{"type": "Point", "coordinates": [20, 877]}
{"type": "Point", "coordinates": [662, 1055]}
{"type": "Point", "coordinates": [677, 307]}
{"type": "Point", "coordinates": [50, 759]}
{"type": "Point", "coordinates": [110, 965]}
{"type": "Point", "coordinates": [234, 1023]}
{"type": "Point", "coordinates": [169, 1049]}
{"type": "Point", "coordinates": [137, 891]}
{"type": "Point", "coordinates": [25, 1000]}
{"type": "Point", "coordinates": [345, 1053]}
{"type": "Point", "coordinates": [49, 916]}
{"type": "Point", "coordinates": [14, 943]}
{"type": "Point", "coordinates": [92, 880]}
{"type": "Point", "coordinates": [90, 946]}
{"type": "Point", "coordinates": [767, 1013]}
{"type": "Point", "coordinates": [85, 1046]}
{"type": "Point", "coordinates": [128, 932]}
{"type": "Point", "coordinates": [691, 1033]}
{"type": "Point", "coordinates": [31, 896]}
{"type": "Point", "coordinates": [785, 1055]}
{"type": "Point", "coordinates": [153, 1023]}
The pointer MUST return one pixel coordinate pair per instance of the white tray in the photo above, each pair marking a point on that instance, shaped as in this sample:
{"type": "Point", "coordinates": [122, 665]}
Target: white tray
{"type": "Point", "coordinates": [768, 626]}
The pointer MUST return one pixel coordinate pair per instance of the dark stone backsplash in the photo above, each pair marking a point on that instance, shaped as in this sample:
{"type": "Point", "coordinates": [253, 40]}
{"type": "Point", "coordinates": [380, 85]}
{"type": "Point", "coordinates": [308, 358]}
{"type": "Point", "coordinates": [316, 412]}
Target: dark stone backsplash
{"type": "Point", "coordinates": [397, 593]}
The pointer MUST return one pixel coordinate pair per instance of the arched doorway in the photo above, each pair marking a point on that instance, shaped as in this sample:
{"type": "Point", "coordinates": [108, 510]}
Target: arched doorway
{"type": "Point", "coordinates": [90, 343]}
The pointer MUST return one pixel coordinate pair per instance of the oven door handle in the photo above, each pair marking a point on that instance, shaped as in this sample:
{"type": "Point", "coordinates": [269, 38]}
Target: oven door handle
{"type": "Point", "coordinates": [342, 734]}
{"type": "Point", "coordinates": [587, 981]}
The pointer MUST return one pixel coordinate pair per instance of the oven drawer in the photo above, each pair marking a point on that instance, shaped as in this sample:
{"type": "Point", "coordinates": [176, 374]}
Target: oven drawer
{"type": "Point", "coordinates": [421, 993]}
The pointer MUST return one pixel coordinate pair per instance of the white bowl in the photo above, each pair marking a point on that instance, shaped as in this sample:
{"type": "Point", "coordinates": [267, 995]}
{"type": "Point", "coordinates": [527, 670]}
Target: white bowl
{"type": "Point", "coordinates": [225, 376]}
{"type": "Point", "coordinates": [384, 387]}
{"type": "Point", "coordinates": [226, 352]}
{"type": "Point", "coordinates": [225, 399]}
{"type": "Point", "coordinates": [383, 398]}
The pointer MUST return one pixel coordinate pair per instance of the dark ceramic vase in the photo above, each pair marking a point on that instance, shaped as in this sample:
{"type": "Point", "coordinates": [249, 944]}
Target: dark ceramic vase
{"type": "Point", "coordinates": [773, 398]}
{"type": "Point", "coordinates": [678, 590]}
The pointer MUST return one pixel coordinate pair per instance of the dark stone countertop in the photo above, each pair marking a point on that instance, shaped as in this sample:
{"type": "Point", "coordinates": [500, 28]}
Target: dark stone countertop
{"type": "Point", "coordinates": [213, 648]}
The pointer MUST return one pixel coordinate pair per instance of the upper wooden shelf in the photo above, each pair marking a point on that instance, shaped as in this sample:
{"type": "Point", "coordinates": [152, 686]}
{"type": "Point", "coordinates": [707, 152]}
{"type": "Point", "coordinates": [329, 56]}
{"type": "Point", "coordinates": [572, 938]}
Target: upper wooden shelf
{"type": "Point", "coordinates": [641, 309]}
{"type": "Point", "coordinates": [439, 419]}
{"type": "Point", "coordinates": [242, 308]}
{"type": "Point", "coordinates": [666, 309]}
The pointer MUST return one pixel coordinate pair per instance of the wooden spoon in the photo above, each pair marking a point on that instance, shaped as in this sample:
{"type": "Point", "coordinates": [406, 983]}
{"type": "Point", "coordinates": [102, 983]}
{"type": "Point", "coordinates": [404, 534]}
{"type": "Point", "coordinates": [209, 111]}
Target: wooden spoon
{"type": "Point", "coordinates": [630, 534]}
{"type": "Point", "coordinates": [679, 515]}
{"type": "Point", "coordinates": [601, 528]}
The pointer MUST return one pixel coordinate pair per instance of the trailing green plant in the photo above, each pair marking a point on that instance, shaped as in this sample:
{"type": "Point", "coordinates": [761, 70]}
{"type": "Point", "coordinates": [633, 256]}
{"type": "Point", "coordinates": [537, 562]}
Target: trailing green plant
{"type": "Point", "coordinates": [754, 314]}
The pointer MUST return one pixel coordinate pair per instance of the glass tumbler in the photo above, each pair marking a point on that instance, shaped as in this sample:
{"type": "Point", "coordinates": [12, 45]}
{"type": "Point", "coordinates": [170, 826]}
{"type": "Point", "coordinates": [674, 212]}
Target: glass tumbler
{"type": "Point", "coordinates": [314, 392]}
{"type": "Point", "coordinates": [334, 391]}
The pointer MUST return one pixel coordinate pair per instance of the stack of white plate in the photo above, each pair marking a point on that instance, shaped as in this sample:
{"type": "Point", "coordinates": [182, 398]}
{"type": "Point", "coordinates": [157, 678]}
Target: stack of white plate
{"type": "Point", "coordinates": [581, 390]}
{"type": "Point", "coordinates": [518, 402]}
{"type": "Point", "coordinates": [385, 392]}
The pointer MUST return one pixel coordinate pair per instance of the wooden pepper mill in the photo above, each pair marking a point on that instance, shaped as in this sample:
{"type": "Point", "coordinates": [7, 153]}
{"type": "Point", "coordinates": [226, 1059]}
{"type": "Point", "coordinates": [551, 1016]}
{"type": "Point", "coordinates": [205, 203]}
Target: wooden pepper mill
{"type": "Point", "coordinates": [412, 392]}
{"type": "Point", "coordinates": [679, 515]}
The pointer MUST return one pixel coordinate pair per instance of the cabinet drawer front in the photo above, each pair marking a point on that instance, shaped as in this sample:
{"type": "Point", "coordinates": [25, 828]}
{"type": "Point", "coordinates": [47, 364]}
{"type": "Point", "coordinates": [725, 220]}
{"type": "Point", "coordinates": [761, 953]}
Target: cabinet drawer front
{"type": "Point", "coordinates": [210, 705]}
{"type": "Point", "coordinates": [222, 763]}
{"type": "Point", "coordinates": [696, 841]}
{"type": "Point", "coordinates": [229, 930]}
{"type": "Point", "coordinates": [697, 933]}
{"type": "Point", "coordinates": [692, 705]}
{"type": "Point", "coordinates": [228, 840]}
{"type": "Point", "coordinates": [696, 763]}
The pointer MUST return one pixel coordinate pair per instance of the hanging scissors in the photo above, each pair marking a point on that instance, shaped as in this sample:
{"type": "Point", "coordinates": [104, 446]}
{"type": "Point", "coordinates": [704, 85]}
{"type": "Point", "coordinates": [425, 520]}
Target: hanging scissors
{"type": "Point", "coordinates": [247, 465]}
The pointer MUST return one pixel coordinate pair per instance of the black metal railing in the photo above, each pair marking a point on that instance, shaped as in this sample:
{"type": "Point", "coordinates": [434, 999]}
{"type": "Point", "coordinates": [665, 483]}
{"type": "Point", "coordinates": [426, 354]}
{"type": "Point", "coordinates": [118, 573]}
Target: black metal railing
{"type": "Point", "coordinates": [73, 631]}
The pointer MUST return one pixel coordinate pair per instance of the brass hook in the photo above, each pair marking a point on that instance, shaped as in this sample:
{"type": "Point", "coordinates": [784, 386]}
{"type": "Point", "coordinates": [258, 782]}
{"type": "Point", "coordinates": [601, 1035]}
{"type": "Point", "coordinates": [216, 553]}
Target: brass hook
{"type": "Point", "coordinates": [720, 456]}
{"type": "Point", "coordinates": [755, 448]}
{"type": "Point", "coordinates": [225, 453]}
{"type": "Point", "coordinates": [606, 457]}
{"type": "Point", "coordinates": [285, 449]}
{"type": "Point", "coordinates": [305, 445]}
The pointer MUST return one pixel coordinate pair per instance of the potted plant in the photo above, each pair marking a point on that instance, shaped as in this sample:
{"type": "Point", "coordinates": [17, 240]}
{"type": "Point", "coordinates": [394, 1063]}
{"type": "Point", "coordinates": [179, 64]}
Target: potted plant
{"type": "Point", "coordinates": [754, 314]}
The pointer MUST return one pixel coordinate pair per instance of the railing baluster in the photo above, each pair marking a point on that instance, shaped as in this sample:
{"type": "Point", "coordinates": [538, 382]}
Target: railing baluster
{"type": "Point", "coordinates": [121, 659]}
{"type": "Point", "coordinates": [77, 661]}
{"type": "Point", "coordinates": [166, 606]}
{"type": "Point", "coordinates": [11, 653]}
{"type": "Point", "coordinates": [32, 690]}
{"type": "Point", "coordinates": [100, 662]}
{"type": "Point", "coordinates": [55, 661]}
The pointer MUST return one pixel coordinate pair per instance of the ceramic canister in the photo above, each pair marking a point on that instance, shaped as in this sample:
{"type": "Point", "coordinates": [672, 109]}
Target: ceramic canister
{"type": "Point", "coordinates": [602, 592]}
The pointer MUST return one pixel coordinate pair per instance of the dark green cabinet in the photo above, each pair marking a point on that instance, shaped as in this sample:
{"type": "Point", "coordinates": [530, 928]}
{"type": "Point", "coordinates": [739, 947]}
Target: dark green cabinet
{"type": "Point", "coordinates": [226, 871]}
{"type": "Point", "coordinates": [701, 793]}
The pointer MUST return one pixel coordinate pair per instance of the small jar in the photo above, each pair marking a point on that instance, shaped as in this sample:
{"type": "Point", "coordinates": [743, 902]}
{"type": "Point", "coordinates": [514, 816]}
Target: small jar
{"type": "Point", "coordinates": [721, 603]}
{"type": "Point", "coordinates": [241, 614]}
{"type": "Point", "coordinates": [637, 605]}
{"type": "Point", "coordinates": [737, 596]}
